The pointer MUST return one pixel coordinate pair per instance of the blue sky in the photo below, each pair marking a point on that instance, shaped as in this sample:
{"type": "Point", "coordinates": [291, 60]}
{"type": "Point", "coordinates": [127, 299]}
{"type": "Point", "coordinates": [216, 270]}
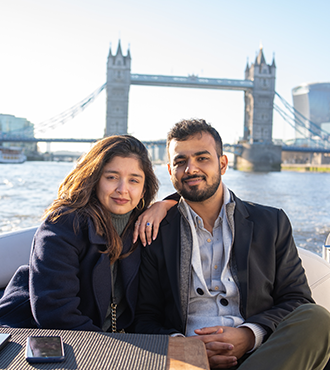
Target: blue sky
{"type": "Point", "coordinates": [54, 54]}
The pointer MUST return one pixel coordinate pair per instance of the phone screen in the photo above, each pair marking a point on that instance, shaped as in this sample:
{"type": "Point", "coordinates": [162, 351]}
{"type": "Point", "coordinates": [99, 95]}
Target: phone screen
{"type": "Point", "coordinates": [4, 339]}
{"type": "Point", "coordinates": [44, 349]}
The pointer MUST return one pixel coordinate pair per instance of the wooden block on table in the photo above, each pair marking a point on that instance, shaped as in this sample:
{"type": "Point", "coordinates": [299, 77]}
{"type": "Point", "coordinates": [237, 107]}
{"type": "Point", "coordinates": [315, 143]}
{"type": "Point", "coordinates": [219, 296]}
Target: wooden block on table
{"type": "Point", "coordinates": [186, 354]}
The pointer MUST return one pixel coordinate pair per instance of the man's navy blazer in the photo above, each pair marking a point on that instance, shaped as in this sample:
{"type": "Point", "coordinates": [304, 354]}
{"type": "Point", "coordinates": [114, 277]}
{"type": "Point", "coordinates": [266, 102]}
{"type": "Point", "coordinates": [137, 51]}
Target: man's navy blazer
{"type": "Point", "coordinates": [264, 263]}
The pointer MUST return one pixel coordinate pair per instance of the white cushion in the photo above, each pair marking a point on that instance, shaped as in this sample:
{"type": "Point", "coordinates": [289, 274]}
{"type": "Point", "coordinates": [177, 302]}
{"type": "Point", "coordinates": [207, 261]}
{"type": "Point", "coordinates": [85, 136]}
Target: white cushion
{"type": "Point", "coordinates": [318, 275]}
{"type": "Point", "coordinates": [14, 251]}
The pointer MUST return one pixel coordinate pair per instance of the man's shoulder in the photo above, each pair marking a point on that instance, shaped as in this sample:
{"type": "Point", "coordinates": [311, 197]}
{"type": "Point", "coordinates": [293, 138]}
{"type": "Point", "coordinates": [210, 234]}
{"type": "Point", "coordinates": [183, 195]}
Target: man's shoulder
{"type": "Point", "coordinates": [259, 213]}
{"type": "Point", "coordinates": [169, 229]}
{"type": "Point", "coordinates": [173, 215]}
{"type": "Point", "coordinates": [253, 206]}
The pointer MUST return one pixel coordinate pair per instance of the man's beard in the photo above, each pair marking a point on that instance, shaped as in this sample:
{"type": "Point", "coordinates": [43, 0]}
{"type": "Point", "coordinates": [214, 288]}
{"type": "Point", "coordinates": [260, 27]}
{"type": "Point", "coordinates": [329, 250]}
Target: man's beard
{"type": "Point", "coordinates": [194, 194]}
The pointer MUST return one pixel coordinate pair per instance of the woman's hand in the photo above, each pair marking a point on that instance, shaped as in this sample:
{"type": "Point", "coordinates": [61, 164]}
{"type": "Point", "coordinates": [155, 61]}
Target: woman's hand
{"type": "Point", "coordinates": [147, 224]}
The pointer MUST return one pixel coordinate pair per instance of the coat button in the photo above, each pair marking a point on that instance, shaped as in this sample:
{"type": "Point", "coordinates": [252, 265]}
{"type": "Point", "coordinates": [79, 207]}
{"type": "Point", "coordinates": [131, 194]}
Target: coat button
{"type": "Point", "coordinates": [224, 301]}
{"type": "Point", "coordinates": [200, 291]}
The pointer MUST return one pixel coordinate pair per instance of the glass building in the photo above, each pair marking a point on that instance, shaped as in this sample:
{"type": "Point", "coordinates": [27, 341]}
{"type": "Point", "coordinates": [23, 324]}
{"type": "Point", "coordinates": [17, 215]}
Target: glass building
{"type": "Point", "coordinates": [312, 100]}
{"type": "Point", "coordinates": [16, 127]}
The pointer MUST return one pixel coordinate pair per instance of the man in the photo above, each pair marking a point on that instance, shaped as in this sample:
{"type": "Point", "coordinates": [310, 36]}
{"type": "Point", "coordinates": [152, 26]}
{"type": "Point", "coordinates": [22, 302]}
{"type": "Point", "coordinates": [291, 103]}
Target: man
{"type": "Point", "coordinates": [227, 270]}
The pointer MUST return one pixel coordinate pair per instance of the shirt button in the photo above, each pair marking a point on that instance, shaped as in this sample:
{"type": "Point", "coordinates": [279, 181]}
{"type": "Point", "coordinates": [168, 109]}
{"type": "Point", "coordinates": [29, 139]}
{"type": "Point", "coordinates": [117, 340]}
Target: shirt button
{"type": "Point", "coordinates": [215, 266]}
{"type": "Point", "coordinates": [224, 301]}
{"type": "Point", "coordinates": [208, 240]}
{"type": "Point", "coordinates": [200, 291]}
{"type": "Point", "coordinates": [216, 288]}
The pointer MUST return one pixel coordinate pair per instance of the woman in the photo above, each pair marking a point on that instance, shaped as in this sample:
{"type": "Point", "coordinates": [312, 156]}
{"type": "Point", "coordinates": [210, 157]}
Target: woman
{"type": "Point", "coordinates": [83, 270]}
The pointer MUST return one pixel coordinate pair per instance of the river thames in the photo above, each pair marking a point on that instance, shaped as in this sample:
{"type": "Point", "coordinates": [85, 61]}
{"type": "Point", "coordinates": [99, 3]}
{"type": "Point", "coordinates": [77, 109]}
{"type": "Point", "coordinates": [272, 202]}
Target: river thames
{"type": "Point", "coordinates": [27, 189]}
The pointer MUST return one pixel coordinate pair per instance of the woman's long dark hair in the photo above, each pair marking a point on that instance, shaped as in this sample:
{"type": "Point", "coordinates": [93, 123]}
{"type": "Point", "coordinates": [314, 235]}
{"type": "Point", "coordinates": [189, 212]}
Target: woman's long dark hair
{"type": "Point", "coordinates": [77, 193]}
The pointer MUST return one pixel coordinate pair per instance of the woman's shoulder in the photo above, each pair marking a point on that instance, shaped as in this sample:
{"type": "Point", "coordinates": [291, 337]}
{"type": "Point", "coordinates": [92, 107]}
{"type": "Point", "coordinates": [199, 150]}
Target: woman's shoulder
{"type": "Point", "coordinates": [65, 221]}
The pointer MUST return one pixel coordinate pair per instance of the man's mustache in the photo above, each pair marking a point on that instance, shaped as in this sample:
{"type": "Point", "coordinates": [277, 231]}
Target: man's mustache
{"type": "Point", "coordinates": [192, 177]}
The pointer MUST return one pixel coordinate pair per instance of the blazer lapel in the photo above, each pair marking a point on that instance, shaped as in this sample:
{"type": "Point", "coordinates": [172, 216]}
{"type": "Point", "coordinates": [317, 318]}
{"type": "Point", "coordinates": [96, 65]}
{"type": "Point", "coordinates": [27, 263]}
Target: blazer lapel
{"type": "Point", "coordinates": [241, 249]}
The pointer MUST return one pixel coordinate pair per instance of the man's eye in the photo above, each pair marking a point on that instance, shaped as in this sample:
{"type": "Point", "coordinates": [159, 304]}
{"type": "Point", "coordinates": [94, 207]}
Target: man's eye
{"type": "Point", "coordinates": [179, 163]}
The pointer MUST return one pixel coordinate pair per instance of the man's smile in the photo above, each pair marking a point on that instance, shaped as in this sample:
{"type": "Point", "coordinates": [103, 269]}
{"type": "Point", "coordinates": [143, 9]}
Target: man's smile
{"type": "Point", "coordinates": [193, 180]}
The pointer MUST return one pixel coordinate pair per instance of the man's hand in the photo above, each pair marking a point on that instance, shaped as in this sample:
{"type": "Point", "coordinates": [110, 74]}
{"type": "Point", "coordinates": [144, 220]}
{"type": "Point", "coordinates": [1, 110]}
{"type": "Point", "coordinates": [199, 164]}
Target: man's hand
{"type": "Point", "coordinates": [225, 345]}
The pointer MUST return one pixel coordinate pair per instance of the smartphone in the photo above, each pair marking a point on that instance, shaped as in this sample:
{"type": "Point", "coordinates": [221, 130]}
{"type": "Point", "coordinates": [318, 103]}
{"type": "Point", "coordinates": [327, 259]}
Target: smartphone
{"type": "Point", "coordinates": [44, 349]}
{"type": "Point", "coordinates": [4, 339]}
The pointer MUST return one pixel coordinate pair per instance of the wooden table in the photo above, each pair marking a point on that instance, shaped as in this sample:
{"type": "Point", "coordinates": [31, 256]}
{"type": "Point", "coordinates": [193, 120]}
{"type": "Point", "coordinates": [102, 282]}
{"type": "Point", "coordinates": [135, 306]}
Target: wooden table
{"type": "Point", "coordinates": [186, 354]}
{"type": "Point", "coordinates": [105, 351]}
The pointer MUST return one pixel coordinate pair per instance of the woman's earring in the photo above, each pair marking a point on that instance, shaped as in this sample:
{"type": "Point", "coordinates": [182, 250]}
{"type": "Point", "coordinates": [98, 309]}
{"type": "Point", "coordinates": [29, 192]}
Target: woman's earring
{"type": "Point", "coordinates": [143, 204]}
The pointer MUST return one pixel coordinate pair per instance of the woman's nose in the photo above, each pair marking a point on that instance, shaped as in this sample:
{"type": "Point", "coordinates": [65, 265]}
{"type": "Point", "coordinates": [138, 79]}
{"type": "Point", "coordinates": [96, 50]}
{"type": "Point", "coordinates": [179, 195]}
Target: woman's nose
{"type": "Point", "coordinates": [122, 187]}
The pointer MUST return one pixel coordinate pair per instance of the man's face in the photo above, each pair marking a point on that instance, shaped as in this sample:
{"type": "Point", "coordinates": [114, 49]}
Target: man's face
{"type": "Point", "coordinates": [195, 168]}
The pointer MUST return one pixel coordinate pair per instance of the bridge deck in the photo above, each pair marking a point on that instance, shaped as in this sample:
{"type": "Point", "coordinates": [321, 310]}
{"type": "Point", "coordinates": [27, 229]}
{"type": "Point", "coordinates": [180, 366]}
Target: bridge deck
{"type": "Point", "coordinates": [191, 81]}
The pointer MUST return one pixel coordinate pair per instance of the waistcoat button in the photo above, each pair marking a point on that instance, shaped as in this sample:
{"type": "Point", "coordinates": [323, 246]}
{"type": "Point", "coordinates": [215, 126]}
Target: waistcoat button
{"type": "Point", "coordinates": [224, 301]}
{"type": "Point", "coordinates": [200, 291]}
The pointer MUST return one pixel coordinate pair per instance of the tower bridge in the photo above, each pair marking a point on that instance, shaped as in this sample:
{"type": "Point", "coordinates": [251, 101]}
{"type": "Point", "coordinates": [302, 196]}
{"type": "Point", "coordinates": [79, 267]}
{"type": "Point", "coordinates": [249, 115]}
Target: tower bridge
{"type": "Point", "coordinates": [255, 152]}
{"type": "Point", "coordinates": [259, 91]}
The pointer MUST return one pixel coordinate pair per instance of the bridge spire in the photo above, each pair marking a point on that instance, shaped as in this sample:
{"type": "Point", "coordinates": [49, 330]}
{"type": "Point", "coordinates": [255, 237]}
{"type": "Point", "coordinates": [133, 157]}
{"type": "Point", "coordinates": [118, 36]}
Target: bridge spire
{"type": "Point", "coordinates": [119, 52]}
{"type": "Point", "coordinates": [273, 62]}
{"type": "Point", "coordinates": [260, 59]}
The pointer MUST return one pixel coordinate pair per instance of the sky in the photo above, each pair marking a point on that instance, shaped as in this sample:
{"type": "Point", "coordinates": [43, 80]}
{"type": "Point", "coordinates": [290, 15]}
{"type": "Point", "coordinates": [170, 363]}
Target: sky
{"type": "Point", "coordinates": [53, 54]}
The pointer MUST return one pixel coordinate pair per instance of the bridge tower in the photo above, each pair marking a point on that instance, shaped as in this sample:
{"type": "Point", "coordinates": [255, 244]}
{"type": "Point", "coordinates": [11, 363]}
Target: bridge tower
{"type": "Point", "coordinates": [259, 152]}
{"type": "Point", "coordinates": [258, 120]}
{"type": "Point", "coordinates": [118, 84]}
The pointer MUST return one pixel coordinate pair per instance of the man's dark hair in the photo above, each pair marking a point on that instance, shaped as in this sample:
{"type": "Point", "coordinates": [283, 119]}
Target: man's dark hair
{"type": "Point", "coordinates": [184, 129]}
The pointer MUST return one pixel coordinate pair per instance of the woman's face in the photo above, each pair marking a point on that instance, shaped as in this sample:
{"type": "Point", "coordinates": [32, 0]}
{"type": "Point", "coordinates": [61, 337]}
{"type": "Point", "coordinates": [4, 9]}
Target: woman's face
{"type": "Point", "coordinates": [121, 185]}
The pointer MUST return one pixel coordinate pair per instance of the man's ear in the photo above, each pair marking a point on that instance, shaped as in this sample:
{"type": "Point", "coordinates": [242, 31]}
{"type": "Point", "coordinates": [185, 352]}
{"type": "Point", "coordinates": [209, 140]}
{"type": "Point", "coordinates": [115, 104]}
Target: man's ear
{"type": "Point", "coordinates": [223, 164]}
{"type": "Point", "coordinates": [169, 169]}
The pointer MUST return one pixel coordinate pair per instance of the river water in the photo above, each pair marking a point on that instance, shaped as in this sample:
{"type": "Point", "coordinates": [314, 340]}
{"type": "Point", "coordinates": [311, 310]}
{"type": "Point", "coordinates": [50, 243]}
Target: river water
{"type": "Point", "coordinates": [27, 189]}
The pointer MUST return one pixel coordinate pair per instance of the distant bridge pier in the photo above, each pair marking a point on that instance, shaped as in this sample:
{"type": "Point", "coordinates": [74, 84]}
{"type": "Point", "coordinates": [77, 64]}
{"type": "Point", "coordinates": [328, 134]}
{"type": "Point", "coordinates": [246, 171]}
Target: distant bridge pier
{"type": "Point", "coordinates": [259, 158]}
{"type": "Point", "coordinates": [157, 151]}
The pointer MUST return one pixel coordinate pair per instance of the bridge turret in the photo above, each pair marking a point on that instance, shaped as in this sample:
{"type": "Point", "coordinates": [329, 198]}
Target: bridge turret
{"type": "Point", "coordinates": [118, 84]}
{"type": "Point", "coordinates": [258, 123]}
{"type": "Point", "coordinates": [258, 151]}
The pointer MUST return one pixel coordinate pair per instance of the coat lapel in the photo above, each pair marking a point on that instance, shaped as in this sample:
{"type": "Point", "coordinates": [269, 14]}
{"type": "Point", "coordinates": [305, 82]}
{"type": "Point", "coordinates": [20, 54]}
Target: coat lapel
{"type": "Point", "coordinates": [102, 284]}
{"type": "Point", "coordinates": [241, 249]}
{"type": "Point", "coordinates": [130, 265]}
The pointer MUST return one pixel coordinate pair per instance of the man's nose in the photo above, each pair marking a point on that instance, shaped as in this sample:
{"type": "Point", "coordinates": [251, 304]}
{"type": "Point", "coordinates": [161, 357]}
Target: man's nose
{"type": "Point", "coordinates": [191, 167]}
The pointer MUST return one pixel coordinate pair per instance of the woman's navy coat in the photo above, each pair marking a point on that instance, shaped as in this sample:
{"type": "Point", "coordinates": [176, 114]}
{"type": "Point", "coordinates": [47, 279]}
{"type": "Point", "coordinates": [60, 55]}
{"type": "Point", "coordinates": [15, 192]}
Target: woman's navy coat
{"type": "Point", "coordinates": [67, 284]}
